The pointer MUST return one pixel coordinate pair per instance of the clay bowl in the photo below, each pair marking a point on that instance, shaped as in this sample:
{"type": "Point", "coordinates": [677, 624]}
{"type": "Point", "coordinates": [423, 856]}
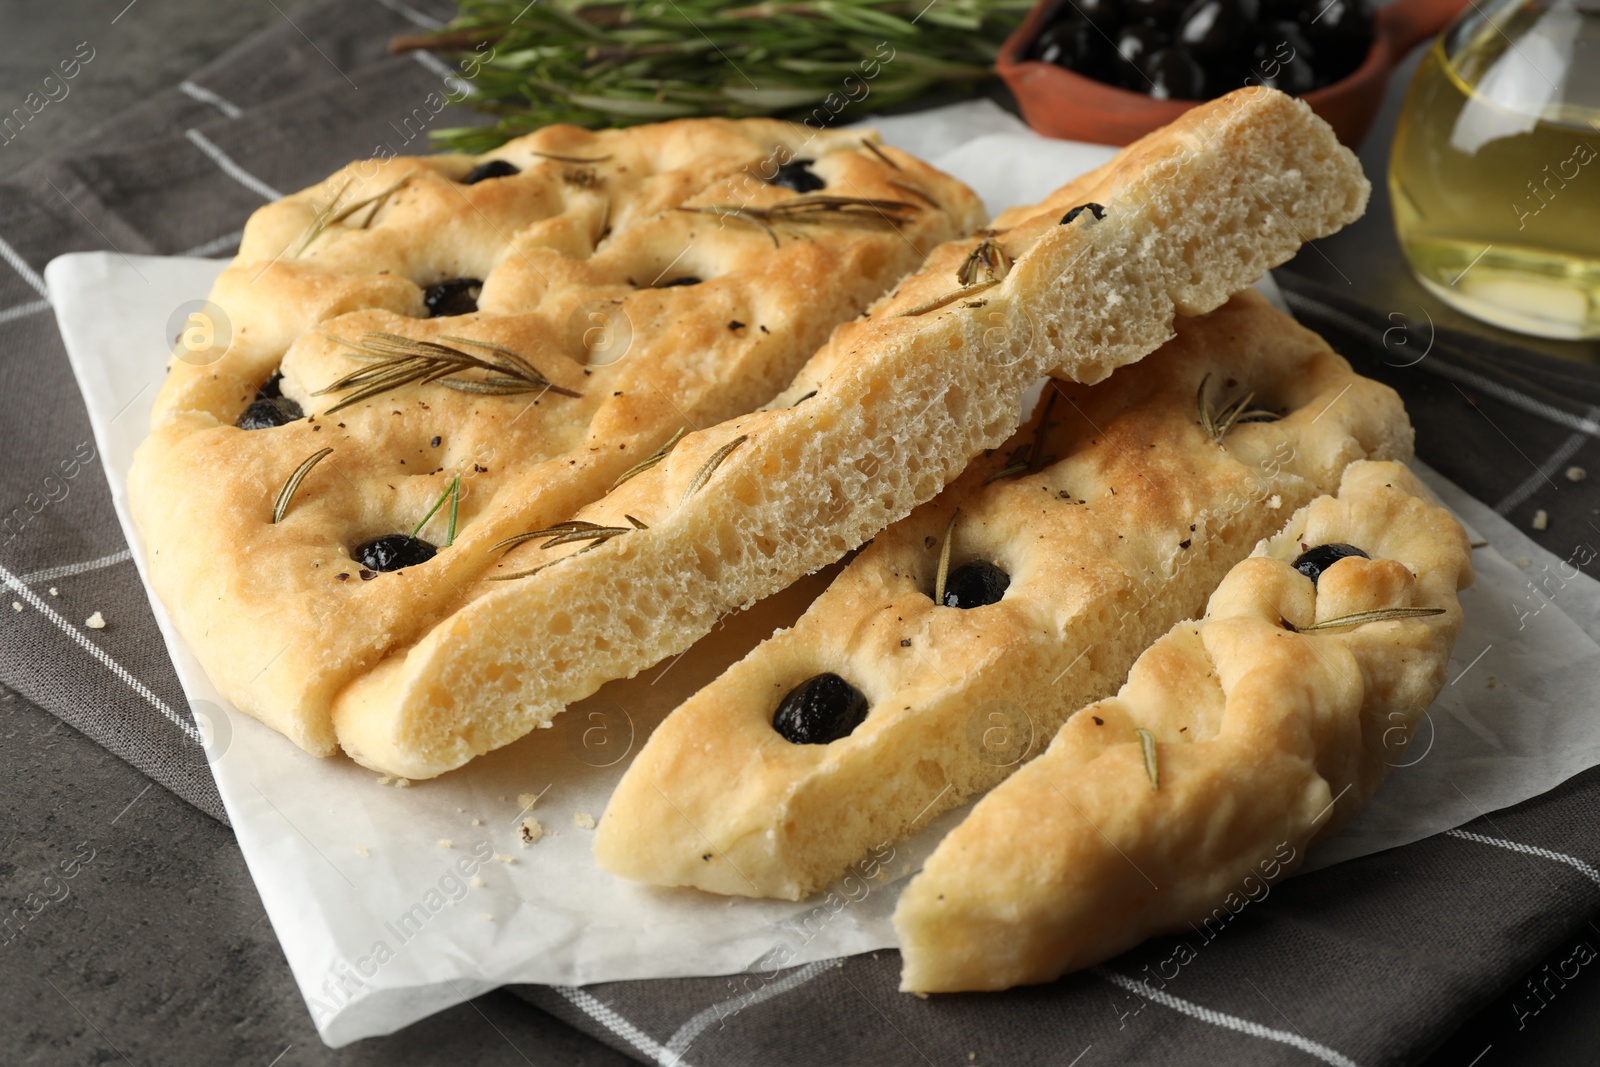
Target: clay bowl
{"type": "Point", "coordinates": [1058, 103]}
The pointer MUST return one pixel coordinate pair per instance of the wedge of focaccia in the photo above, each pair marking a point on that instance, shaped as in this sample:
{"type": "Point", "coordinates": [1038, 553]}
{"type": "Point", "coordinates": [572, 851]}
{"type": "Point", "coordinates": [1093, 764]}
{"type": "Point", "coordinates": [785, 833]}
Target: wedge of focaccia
{"type": "Point", "coordinates": [1236, 743]}
{"type": "Point", "coordinates": [1091, 279]}
{"type": "Point", "coordinates": [899, 694]}
{"type": "Point", "coordinates": [627, 306]}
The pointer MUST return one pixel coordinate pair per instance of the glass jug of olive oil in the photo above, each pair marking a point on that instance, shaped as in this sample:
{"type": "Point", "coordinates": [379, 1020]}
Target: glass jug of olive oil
{"type": "Point", "coordinates": [1495, 171]}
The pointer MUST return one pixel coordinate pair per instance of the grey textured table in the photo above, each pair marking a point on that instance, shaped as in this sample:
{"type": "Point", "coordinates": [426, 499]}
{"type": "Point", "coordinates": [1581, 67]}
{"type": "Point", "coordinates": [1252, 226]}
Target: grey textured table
{"type": "Point", "coordinates": [161, 952]}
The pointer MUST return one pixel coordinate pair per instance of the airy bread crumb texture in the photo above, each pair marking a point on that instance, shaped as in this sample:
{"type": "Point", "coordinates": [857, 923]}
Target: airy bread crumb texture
{"type": "Point", "coordinates": [891, 409]}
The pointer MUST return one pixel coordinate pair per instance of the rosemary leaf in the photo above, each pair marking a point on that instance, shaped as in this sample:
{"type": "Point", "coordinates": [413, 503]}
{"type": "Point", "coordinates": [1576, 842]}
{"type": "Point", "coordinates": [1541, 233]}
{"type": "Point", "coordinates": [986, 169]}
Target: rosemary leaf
{"type": "Point", "coordinates": [1218, 422]}
{"type": "Point", "coordinates": [1361, 618]}
{"type": "Point", "coordinates": [948, 298]}
{"type": "Point", "coordinates": [1147, 743]}
{"type": "Point", "coordinates": [709, 467]}
{"type": "Point", "coordinates": [453, 488]}
{"type": "Point", "coordinates": [943, 573]}
{"type": "Point", "coordinates": [986, 256]}
{"type": "Point", "coordinates": [329, 217]}
{"type": "Point", "coordinates": [875, 150]}
{"type": "Point", "coordinates": [806, 210]}
{"type": "Point", "coordinates": [651, 460]}
{"type": "Point", "coordinates": [281, 505]}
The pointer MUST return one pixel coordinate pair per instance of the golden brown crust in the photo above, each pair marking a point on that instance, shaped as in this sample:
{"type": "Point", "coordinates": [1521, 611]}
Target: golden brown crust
{"type": "Point", "coordinates": [1192, 214]}
{"type": "Point", "coordinates": [1130, 518]}
{"type": "Point", "coordinates": [1265, 737]}
{"type": "Point", "coordinates": [568, 248]}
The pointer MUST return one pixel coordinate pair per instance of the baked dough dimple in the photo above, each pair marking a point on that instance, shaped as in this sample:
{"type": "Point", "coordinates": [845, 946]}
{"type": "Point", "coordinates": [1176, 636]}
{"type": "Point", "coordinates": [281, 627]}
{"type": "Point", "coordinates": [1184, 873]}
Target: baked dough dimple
{"type": "Point", "coordinates": [893, 407]}
{"type": "Point", "coordinates": [1267, 738]}
{"type": "Point", "coordinates": [574, 252]}
{"type": "Point", "coordinates": [1130, 517]}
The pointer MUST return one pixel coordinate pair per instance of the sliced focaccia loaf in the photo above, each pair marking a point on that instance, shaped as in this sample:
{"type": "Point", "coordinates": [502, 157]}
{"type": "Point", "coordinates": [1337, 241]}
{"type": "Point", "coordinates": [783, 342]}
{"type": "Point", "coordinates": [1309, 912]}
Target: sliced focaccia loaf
{"type": "Point", "coordinates": [513, 333]}
{"type": "Point", "coordinates": [952, 648]}
{"type": "Point", "coordinates": [895, 405]}
{"type": "Point", "coordinates": [1237, 742]}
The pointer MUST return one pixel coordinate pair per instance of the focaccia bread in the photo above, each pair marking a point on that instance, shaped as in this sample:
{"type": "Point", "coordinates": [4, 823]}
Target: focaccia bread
{"type": "Point", "coordinates": [644, 282]}
{"type": "Point", "coordinates": [894, 406]}
{"type": "Point", "coordinates": [1237, 742]}
{"type": "Point", "coordinates": [896, 697]}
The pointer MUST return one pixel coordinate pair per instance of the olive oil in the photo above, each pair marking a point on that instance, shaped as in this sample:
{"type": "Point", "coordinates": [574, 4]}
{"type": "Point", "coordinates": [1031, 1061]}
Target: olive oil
{"type": "Point", "coordinates": [1495, 178]}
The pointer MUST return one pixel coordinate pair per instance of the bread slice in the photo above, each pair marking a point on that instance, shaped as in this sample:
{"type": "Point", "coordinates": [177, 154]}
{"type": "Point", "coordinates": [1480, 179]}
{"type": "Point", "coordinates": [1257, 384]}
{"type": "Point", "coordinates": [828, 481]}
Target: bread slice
{"type": "Point", "coordinates": [1110, 517]}
{"type": "Point", "coordinates": [627, 268]}
{"type": "Point", "coordinates": [1237, 742]}
{"type": "Point", "coordinates": [893, 407]}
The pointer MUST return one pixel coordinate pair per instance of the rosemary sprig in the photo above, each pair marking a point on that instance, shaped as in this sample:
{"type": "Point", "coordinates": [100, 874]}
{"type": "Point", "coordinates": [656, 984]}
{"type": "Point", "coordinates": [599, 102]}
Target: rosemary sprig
{"type": "Point", "coordinates": [652, 459]}
{"type": "Point", "coordinates": [1147, 744]}
{"type": "Point", "coordinates": [618, 63]}
{"type": "Point", "coordinates": [1217, 422]}
{"type": "Point", "coordinates": [330, 216]}
{"type": "Point", "coordinates": [918, 193]}
{"type": "Point", "coordinates": [280, 505]}
{"type": "Point", "coordinates": [943, 573]}
{"type": "Point", "coordinates": [811, 210]}
{"type": "Point", "coordinates": [571, 159]}
{"type": "Point", "coordinates": [394, 361]}
{"type": "Point", "coordinates": [948, 298]}
{"type": "Point", "coordinates": [709, 467]}
{"type": "Point", "coordinates": [1361, 618]}
{"type": "Point", "coordinates": [452, 492]}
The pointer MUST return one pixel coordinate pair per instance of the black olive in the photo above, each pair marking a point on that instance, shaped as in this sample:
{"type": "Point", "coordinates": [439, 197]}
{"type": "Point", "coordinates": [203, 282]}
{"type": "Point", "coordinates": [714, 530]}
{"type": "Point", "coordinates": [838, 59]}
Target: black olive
{"type": "Point", "coordinates": [687, 279]}
{"type": "Point", "coordinates": [1094, 209]}
{"type": "Point", "coordinates": [1341, 32]}
{"type": "Point", "coordinates": [393, 551]}
{"type": "Point", "coordinates": [1163, 14]}
{"type": "Point", "coordinates": [1135, 45]}
{"type": "Point", "coordinates": [796, 174]}
{"type": "Point", "coordinates": [1259, 416]}
{"type": "Point", "coordinates": [821, 709]}
{"type": "Point", "coordinates": [1174, 75]}
{"type": "Point", "coordinates": [456, 296]}
{"type": "Point", "coordinates": [1318, 558]}
{"type": "Point", "coordinates": [495, 168]}
{"type": "Point", "coordinates": [1218, 30]}
{"type": "Point", "coordinates": [1287, 9]}
{"type": "Point", "coordinates": [1288, 32]}
{"type": "Point", "coordinates": [1054, 44]}
{"type": "Point", "coordinates": [1104, 15]}
{"type": "Point", "coordinates": [269, 412]}
{"type": "Point", "coordinates": [272, 388]}
{"type": "Point", "coordinates": [1293, 76]}
{"type": "Point", "coordinates": [972, 585]}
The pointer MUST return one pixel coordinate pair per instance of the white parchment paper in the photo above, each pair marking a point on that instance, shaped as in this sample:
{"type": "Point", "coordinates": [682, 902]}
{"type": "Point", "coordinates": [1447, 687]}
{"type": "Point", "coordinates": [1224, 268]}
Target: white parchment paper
{"type": "Point", "coordinates": [393, 903]}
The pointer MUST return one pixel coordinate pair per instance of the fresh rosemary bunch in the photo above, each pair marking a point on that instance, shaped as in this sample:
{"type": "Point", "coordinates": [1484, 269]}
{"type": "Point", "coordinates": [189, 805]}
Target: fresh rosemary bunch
{"type": "Point", "coordinates": [601, 63]}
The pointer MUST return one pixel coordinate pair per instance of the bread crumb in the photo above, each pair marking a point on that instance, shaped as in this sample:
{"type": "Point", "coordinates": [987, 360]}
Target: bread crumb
{"type": "Point", "coordinates": [583, 820]}
{"type": "Point", "coordinates": [56, 592]}
{"type": "Point", "coordinates": [461, 811]}
{"type": "Point", "coordinates": [505, 859]}
{"type": "Point", "coordinates": [96, 621]}
{"type": "Point", "coordinates": [486, 917]}
{"type": "Point", "coordinates": [384, 779]}
{"type": "Point", "coordinates": [16, 605]}
{"type": "Point", "coordinates": [444, 842]}
{"type": "Point", "coordinates": [361, 850]}
{"type": "Point", "coordinates": [527, 800]}
{"type": "Point", "coordinates": [1574, 474]}
{"type": "Point", "coordinates": [1541, 519]}
{"type": "Point", "coordinates": [502, 796]}
{"type": "Point", "coordinates": [1524, 562]}
{"type": "Point", "coordinates": [1274, 502]}
{"type": "Point", "coordinates": [477, 822]}
{"type": "Point", "coordinates": [530, 831]}
{"type": "Point", "coordinates": [478, 883]}
{"type": "Point", "coordinates": [1491, 683]}
{"type": "Point", "coordinates": [402, 783]}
